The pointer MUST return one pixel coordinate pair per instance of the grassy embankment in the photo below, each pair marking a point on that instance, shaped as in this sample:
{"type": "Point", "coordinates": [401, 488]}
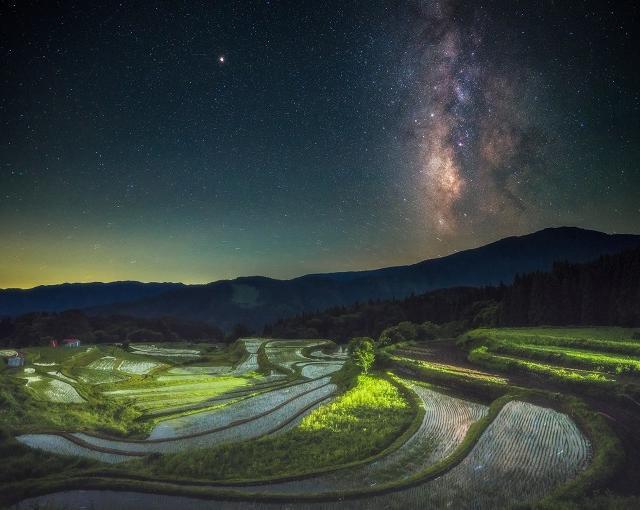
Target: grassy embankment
{"type": "Point", "coordinates": [375, 415]}
{"type": "Point", "coordinates": [605, 452]}
{"type": "Point", "coordinates": [25, 408]}
{"type": "Point", "coordinates": [344, 413]}
{"type": "Point", "coordinates": [598, 362]}
{"type": "Point", "coordinates": [358, 424]}
{"type": "Point", "coordinates": [587, 359]}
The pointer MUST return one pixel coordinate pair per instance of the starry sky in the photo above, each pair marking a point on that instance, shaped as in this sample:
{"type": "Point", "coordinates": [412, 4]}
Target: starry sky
{"type": "Point", "coordinates": [195, 141]}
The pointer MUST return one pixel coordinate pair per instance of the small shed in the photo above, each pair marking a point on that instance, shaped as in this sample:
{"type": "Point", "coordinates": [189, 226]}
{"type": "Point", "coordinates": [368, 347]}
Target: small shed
{"type": "Point", "coordinates": [71, 342]}
{"type": "Point", "coordinates": [16, 360]}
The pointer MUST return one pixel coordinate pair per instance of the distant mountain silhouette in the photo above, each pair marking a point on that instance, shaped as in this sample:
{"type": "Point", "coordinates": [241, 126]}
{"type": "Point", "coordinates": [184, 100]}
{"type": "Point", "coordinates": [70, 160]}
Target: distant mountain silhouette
{"type": "Point", "coordinates": [55, 298]}
{"type": "Point", "coordinates": [255, 301]}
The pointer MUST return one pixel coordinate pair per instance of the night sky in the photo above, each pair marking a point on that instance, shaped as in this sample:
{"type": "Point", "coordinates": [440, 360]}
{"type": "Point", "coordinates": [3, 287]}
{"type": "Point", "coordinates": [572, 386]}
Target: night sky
{"type": "Point", "coordinates": [194, 141]}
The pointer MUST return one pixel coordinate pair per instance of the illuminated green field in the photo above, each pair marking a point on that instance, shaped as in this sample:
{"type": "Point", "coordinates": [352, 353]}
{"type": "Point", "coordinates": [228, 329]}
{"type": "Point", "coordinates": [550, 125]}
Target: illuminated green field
{"type": "Point", "coordinates": [293, 420]}
{"type": "Point", "coordinates": [583, 355]}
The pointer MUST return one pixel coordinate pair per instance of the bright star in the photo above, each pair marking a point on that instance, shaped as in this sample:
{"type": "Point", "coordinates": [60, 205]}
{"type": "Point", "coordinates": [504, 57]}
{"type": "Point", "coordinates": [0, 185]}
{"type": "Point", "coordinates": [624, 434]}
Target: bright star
{"type": "Point", "coordinates": [221, 59]}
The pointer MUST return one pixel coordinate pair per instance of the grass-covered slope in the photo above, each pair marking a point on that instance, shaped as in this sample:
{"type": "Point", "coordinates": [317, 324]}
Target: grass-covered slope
{"type": "Point", "coordinates": [376, 440]}
{"type": "Point", "coordinates": [601, 359]}
{"type": "Point", "coordinates": [122, 393]}
{"type": "Point", "coordinates": [364, 420]}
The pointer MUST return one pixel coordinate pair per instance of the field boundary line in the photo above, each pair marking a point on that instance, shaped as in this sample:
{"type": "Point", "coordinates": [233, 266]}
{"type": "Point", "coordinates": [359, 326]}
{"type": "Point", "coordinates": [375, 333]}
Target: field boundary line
{"type": "Point", "coordinates": [394, 446]}
{"type": "Point", "coordinates": [187, 436]}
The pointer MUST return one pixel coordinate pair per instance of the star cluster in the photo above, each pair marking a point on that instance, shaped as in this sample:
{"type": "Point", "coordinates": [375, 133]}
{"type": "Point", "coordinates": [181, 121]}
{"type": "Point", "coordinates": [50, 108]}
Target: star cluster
{"type": "Point", "coordinates": [200, 141]}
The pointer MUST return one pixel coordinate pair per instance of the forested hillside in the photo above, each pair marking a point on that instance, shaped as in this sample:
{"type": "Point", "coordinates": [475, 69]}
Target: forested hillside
{"type": "Point", "coordinates": [603, 292]}
{"type": "Point", "coordinates": [462, 306]}
{"type": "Point", "coordinates": [606, 291]}
{"type": "Point", "coordinates": [256, 301]}
{"type": "Point", "coordinates": [41, 328]}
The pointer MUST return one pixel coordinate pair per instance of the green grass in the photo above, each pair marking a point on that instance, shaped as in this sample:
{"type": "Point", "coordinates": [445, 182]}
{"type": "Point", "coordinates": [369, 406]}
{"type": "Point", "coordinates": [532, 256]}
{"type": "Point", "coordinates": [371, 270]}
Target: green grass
{"type": "Point", "coordinates": [452, 370]}
{"type": "Point", "coordinates": [154, 396]}
{"type": "Point", "coordinates": [372, 415]}
{"type": "Point", "coordinates": [582, 356]}
{"type": "Point", "coordinates": [25, 409]}
{"type": "Point", "coordinates": [360, 423]}
{"type": "Point", "coordinates": [482, 356]}
{"type": "Point", "coordinates": [607, 501]}
{"type": "Point", "coordinates": [583, 333]}
{"type": "Point", "coordinates": [611, 340]}
{"type": "Point", "coordinates": [20, 412]}
{"type": "Point", "coordinates": [599, 361]}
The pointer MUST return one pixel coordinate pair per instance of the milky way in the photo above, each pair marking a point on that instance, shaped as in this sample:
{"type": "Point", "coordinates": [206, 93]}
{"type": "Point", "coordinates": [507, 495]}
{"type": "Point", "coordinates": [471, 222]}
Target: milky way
{"type": "Point", "coordinates": [476, 147]}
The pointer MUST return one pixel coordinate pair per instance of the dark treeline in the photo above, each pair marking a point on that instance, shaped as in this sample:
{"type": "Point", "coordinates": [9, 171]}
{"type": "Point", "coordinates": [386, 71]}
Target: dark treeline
{"type": "Point", "coordinates": [465, 305]}
{"type": "Point", "coordinates": [41, 328]}
{"type": "Point", "coordinates": [603, 292]}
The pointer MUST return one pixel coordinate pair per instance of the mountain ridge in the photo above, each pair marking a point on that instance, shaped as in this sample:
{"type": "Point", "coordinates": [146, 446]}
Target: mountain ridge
{"type": "Point", "coordinates": [257, 300]}
{"type": "Point", "coordinates": [65, 296]}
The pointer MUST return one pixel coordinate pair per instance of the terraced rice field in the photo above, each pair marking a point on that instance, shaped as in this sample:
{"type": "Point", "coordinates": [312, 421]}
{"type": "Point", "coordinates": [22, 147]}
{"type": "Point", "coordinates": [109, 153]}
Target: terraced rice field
{"type": "Point", "coordinates": [185, 388]}
{"type": "Point", "coordinates": [60, 375]}
{"type": "Point", "coordinates": [191, 370]}
{"type": "Point", "coordinates": [443, 427]}
{"type": "Point", "coordinates": [339, 354]}
{"type": "Point", "coordinates": [60, 391]}
{"type": "Point", "coordinates": [286, 354]}
{"type": "Point", "coordinates": [152, 350]}
{"type": "Point", "coordinates": [250, 364]}
{"type": "Point", "coordinates": [205, 421]}
{"type": "Point", "coordinates": [93, 377]}
{"type": "Point", "coordinates": [178, 391]}
{"type": "Point", "coordinates": [137, 367]}
{"type": "Point", "coordinates": [554, 335]}
{"type": "Point", "coordinates": [61, 446]}
{"type": "Point", "coordinates": [51, 389]}
{"type": "Point", "coordinates": [233, 423]}
{"type": "Point", "coordinates": [259, 404]}
{"type": "Point", "coordinates": [111, 363]}
{"type": "Point", "coordinates": [452, 370]}
{"type": "Point", "coordinates": [314, 370]}
{"type": "Point", "coordinates": [31, 379]}
{"type": "Point", "coordinates": [577, 357]}
{"type": "Point", "coordinates": [240, 432]}
{"type": "Point", "coordinates": [526, 452]}
{"type": "Point", "coordinates": [482, 354]}
{"type": "Point", "coordinates": [602, 349]}
{"type": "Point", "coordinates": [106, 363]}
{"type": "Point", "coordinates": [178, 407]}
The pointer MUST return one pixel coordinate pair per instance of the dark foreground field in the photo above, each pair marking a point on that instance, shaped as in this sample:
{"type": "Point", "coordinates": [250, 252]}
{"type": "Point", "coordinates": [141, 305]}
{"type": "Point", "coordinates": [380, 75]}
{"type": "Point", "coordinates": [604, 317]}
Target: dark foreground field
{"type": "Point", "coordinates": [495, 419]}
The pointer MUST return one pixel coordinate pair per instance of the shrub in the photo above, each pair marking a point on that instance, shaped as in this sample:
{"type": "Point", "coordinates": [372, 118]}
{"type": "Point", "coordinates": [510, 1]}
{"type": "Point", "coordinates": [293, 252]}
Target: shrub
{"type": "Point", "coordinates": [362, 353]}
